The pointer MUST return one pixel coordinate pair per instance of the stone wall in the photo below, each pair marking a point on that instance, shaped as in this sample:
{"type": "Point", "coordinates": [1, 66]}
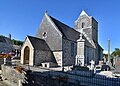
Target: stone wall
{"type": "Point", "coordinates": [94, 29]}
{"type": "Point", "coordinates": [87, 23]}
{"type": "Point", "coordinates": [43, 56]}
{"type": "Point", "coordinates": [10, 74]}
{"type": "Point", "coordinates": [58, 57]}
{"type": "Point", "coordinates": [53, 35]}
{"type": "Point", "coordinates": [69, 53]}
{"type": "Point", "coordinates": [89, 54]}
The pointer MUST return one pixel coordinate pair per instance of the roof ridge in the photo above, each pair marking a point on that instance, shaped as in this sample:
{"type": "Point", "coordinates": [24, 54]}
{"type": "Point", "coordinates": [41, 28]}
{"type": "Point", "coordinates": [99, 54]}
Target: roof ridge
{"type": "Point", "coordinates": [35, 37]}
{"type": "Point", "coordinates": [62, 23]}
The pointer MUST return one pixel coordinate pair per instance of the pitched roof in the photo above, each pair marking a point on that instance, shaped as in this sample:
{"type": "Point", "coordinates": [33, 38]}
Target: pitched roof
{"type": "Point", "coordinates": [5, 39]}
{"type": "Point", "coordinates": [67, 31]}
{"type": "Point", "coordinates": [38, 44]}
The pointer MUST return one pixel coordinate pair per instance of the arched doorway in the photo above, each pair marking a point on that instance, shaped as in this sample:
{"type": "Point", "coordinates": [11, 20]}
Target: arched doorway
{"type": "Point", "coordinates": [26, 55]}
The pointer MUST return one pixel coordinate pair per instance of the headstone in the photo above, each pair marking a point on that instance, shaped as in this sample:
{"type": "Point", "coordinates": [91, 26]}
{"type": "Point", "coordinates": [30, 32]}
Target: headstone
{"type": "Point", "coordinates": [4, 61]}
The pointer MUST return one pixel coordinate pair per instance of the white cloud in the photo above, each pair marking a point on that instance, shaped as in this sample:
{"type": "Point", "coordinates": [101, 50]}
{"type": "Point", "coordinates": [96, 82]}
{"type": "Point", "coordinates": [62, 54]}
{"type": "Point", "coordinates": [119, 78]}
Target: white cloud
{"type": "Point", "coordinates": [106, 52]}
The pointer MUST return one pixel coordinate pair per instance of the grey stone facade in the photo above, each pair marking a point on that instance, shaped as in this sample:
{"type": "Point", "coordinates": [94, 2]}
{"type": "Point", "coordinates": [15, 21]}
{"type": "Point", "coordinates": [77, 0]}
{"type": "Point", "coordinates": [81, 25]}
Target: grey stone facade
{"type": "Point", "coordinates": [59, 40]}
{"type": "Point", "coordinates": [43, 56]}
{"type": "Point", "coordinates": [69, 53]}
{"type": "Point", "coordinates": [53, 36]}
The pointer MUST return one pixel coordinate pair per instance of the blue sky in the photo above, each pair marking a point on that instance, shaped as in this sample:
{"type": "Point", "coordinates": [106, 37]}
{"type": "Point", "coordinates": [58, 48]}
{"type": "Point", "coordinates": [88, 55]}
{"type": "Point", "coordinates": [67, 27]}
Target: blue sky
{"type": "Point", "coordinates": [22, 17]}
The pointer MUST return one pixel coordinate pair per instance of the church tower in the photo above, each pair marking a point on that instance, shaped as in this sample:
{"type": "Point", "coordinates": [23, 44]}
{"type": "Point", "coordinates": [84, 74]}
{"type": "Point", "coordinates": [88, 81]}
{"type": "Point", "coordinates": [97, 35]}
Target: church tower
{"type": "Point", "coordinates": [88, 24]}
{"type": "Point", "coordinates": [87, 44]}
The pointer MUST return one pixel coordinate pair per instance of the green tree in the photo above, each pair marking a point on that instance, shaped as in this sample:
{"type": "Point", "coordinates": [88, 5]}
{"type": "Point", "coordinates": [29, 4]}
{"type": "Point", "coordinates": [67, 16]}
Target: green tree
{"type": "Point", "coordinates": [16, 42]}
{"type": "Point", "coordinates": [116, 52]}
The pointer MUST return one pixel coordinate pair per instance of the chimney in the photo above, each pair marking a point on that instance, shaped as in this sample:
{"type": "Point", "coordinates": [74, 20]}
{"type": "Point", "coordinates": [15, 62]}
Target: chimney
{"type": "Point", "coordinates": [10, 36]}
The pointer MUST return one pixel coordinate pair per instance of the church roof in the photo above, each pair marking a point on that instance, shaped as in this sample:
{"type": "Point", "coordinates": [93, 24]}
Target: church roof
{"type": "Point", "coordinates": [5, 39]}
{"type": "Point", "coordinates": [66, 31]}
{"type": "Point", "coordinates": [38, 44]}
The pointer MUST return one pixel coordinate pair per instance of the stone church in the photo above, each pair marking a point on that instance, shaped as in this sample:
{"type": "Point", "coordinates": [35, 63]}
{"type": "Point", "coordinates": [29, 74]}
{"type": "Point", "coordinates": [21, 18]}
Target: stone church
{"type": "Point", "coordinates": [57, 44]}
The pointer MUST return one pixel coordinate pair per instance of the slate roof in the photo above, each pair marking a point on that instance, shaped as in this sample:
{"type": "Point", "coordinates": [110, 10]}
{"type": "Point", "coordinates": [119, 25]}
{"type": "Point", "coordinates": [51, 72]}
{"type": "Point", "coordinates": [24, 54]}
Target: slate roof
{"type": "Point", "coordinates": [67, 31]}
{"type": "Point", "coordinates": [5, 39]}
{"type": "Point", "coordinates": [38, 44]}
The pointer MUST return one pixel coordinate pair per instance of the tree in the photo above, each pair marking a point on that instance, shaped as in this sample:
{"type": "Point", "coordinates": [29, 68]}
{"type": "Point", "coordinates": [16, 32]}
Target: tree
{"type": "Point", "coordinates": [16, 42]}
{"type": "Point", "coordinates": [116, 52]}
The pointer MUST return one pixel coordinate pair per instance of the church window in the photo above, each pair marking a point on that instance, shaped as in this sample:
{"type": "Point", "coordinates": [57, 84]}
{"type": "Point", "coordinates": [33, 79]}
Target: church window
{"type": "Point", "coordinates": [83, 24]}
{"type": "Point", "coordinates": [44, 35]}
{"type": "Point", "coordinates": [72, 49]}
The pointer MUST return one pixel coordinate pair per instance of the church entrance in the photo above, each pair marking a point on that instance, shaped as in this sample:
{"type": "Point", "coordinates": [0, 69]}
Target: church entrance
{"type": "Point", "coordinates": [26, 55]}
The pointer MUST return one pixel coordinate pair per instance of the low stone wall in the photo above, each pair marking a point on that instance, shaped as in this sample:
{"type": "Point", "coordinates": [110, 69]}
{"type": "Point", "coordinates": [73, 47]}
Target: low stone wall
{"type": "Point", "coordinates": [45, 77]}
{"type": "Point", "coordinates": [34, 78]}
{"type": "Point", "coordinates": [10, 74]}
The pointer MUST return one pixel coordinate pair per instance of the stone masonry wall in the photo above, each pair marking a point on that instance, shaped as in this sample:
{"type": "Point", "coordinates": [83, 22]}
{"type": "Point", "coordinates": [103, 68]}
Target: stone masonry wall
{"type": "Point", "coordinates": [53, 36]}
{"type": "Point", "coordinates": [69, 59]}
{"type": "Point", "coordinates": [43, 56]}
{"type": "Point", "coordinates": [12, 75]}
{"type": "Point", "coordinates": [58, 57]}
